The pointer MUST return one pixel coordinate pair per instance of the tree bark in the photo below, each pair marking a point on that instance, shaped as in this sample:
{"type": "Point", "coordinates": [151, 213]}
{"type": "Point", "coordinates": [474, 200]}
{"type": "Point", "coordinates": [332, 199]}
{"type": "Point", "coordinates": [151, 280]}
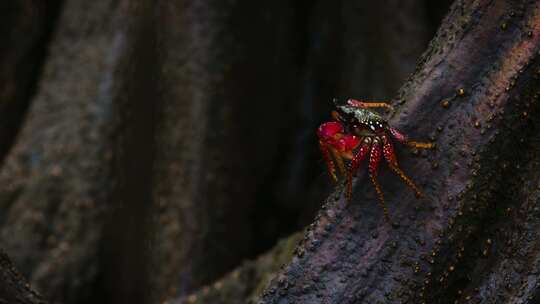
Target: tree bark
{"type": "Point", "coordinates": [25, 28]}
{"type": "Point", "coordinates": [211, 159]}
{"type": "Point", "coordinates": [245, 283]}
{"type": "Point", "coordinates": [55, 184]}
{"type": "Point", "coordinates": [475, 94]}
{"type": "Point", "coordinates": [13, 287]}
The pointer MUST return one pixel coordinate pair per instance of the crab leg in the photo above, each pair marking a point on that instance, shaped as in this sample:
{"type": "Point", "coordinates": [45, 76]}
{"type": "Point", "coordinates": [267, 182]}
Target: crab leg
{"type": "Point", "coordinates": [403, 139]}
{"type": "Point", "coordinates": [339, 160]}
{"type": "Point", "coordinates": [336, 116]}
{"type": "Point", "coordinates": [390, 156]}
{"type": "Point", "coordinates": [363, 104]}
{"type": "Point", "coordinates": [388, 152]}
{"type": "Point", "coordinates": [355, 163]}
{"type": "Point", "coordinates": [407, 181]}
{"type": "Point", "coordinates": [328, 160]}
{"type": "Point", "coordinates": [374, 161]}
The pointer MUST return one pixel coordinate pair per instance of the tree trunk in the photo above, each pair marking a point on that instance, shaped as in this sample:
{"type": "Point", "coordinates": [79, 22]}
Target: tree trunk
{"type": "Point", "coordinates": [13, 287]}
{"type": "Point", "coordinates": [474, 94]}
{"type": "Point", "coordinates": [245, 283]}
{"type": "Point", "coordinates": [21, 58]}
{"type": "Point", "coordinates": [210, 156]}
{"type": "Point", "coordinates": [56, 183]}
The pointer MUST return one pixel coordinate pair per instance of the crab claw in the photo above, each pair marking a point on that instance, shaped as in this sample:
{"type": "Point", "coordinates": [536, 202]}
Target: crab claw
{"type": "Point", "coordinates": [349, 142]}
{"type": "Point", "coordinates": [329, 129]}
{"type": "Point", "coordinates": [346, 145]}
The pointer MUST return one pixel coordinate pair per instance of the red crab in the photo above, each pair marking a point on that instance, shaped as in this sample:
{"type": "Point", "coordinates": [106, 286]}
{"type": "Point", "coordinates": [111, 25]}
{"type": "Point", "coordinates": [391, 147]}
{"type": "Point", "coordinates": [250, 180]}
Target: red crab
{"type": "Point", "coordinates": [356, 132]}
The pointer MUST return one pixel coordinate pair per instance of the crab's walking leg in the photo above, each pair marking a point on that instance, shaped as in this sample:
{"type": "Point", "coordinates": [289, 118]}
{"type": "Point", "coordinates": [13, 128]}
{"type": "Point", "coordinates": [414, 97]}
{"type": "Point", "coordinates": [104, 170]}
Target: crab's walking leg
{"type": "Point", "coordinates": [363, 104]}
{"type": "Point", "coordinates": [355, 163]}
{"type": "Point", "coordinates": [374, 161]}
{"type": "Point", "coordinates": [420, 145]}
{"type": "Point", "coordinates": [339, 160]}
{"type": "Point", "coordinates": [390, 156]}
{"type": "Point", "coordinates": [388, 152]}
{"type": "Point", "coordinates": [328, 160]}
{"type": "Point", "coordinates": [407, 181]}
{"type": "Point", "coordinates": [403, 139]}
{"type": "Point", "coordinates": [336, 116]}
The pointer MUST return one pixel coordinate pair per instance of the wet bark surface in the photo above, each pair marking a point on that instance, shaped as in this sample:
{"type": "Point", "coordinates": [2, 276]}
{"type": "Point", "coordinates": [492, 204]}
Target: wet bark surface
{"type": "Point", "coordinates": [474, 94]}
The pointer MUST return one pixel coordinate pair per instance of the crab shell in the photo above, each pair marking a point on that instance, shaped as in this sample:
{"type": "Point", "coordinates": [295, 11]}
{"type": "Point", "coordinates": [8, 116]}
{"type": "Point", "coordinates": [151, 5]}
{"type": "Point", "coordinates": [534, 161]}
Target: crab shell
{"type": "Point", "coordinates": [353, 116]}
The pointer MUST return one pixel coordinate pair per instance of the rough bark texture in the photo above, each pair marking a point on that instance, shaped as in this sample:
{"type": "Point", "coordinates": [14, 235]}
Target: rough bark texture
{"type": "Point", "coordinates": [245, 283]}
{"type": "Point", "coordinates": [25, 28]}
{"type": "Point", "coordinates": [55, 184]}
{"type": "Point", "coordinates": [476, 239]}
{"type": "Point", "coordinates": [13, 287]}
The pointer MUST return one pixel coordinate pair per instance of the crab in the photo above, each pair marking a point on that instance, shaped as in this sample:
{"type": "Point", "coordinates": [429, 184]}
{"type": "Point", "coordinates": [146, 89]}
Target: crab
{"type": "Point", "coordinates": [356, 132]}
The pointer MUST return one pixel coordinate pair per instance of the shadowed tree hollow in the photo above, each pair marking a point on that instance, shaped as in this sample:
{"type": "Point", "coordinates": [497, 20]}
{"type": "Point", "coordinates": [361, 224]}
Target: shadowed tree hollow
{"type": "Point", "coordinates": [157, 151]}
